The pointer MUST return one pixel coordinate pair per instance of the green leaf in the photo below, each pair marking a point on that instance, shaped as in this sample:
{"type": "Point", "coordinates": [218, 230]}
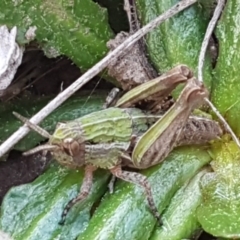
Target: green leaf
{"type": "Point", "coordinates": [180, 219]}
{"type": "Point", "coordinates": [220, 209]}
{"type": "Point", "coordinates": [32, 211]}
{"type": "Point", "coordinates": [178, 39]}
{"type": "Point", "coordinates": [78, 29]}
{"type": "Point", "coordinates": [226, 87]}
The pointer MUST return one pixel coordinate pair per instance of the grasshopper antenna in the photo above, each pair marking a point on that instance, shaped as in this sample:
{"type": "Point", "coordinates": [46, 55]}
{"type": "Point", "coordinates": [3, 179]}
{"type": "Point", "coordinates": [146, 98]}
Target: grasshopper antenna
{"type": "Point", "coordinates": [40, 131]}
{"type": "Point", "coordinates": [32, 126]}
{"type": "Point", "coordinates": [91, 93]}
{"type": "Point", "coordinates": [46, 147]}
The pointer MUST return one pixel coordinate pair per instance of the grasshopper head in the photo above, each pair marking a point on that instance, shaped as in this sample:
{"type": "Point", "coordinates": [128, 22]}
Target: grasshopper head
{"type": "Point", "coordinates": [69, 151]}
{"type": "Point", "coordinates": [65, 149]}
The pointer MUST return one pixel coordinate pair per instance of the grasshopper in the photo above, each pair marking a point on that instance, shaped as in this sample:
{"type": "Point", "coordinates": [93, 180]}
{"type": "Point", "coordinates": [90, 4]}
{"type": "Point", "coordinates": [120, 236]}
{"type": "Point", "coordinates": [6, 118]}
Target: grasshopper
{"type": "Point", "coordinates": [124, 135]}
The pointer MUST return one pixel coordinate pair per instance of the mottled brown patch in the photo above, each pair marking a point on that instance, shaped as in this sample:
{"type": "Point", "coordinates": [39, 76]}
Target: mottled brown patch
{"type": "Point", "coordinates": [199, 131]}
{"type": "Point", "coordinates": [130, 69]}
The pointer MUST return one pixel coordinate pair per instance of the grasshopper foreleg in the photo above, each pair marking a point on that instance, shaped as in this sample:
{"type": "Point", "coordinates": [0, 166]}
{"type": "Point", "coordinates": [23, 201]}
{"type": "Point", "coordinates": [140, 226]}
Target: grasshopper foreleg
{"type": "Point", "coordinates": [111, 184]}
{"type": "Point", "coordinates": [141, 180]}
{"type": "Point", "coordinates": [111, 98]}
{"type": "Point", "coordinates": [84, 192]}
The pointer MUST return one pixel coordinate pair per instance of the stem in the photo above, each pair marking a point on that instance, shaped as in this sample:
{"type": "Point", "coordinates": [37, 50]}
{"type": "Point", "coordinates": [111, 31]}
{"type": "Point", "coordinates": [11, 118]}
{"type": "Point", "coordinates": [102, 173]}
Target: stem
{"type": "Point", "coordinates": [207, 37]}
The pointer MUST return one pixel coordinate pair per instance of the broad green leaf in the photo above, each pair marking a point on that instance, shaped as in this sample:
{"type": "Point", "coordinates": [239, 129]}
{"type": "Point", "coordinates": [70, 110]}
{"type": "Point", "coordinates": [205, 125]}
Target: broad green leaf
{"type": "Point", "coordinates": [220, 210]}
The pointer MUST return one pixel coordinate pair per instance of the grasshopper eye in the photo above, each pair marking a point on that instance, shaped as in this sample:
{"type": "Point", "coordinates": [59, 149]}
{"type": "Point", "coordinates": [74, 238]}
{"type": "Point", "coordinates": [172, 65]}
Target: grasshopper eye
{"type": "Point", "coordinates": [74, 148]}
{"type": "Point", "coordinates": [71, 147]}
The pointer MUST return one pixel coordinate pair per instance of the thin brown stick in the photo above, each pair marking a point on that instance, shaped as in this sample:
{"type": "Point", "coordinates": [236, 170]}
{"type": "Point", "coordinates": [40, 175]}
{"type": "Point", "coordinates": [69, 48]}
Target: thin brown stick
{"type": "Point", "coordinates": [225, 124]}
{"type": "Point", "coordinates": [63, 96]}
{"type": "Point", "coordinates": [202, 54]}
{"type": "Point", "coordinates": [207, 37]}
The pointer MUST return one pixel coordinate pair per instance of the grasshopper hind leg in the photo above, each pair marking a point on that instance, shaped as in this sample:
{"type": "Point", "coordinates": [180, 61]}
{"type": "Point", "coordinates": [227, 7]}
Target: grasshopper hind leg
{"type": "Point", "coordinates": [111, 184]}
{"type": "Point", "coordinates": [141, 180]}
{"type": "Point", "coordinates": [84, 192]}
